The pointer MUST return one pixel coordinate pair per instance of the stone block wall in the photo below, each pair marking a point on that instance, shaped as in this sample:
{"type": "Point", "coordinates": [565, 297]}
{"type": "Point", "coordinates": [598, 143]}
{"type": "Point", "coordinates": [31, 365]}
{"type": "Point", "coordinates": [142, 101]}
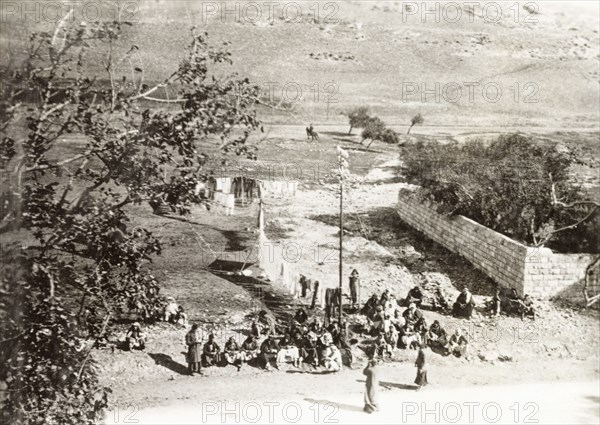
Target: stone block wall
{"type": "Point", "coordinates": [535, 271]}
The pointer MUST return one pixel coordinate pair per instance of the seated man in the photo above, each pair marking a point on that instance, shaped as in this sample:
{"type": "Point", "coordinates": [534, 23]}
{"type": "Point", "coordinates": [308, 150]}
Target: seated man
{"type": "Point", "coordinates": [308, 349]}
{"type": "Point", "coordinates": [267, 322]}
{"type": "Point", "coordinates": [527, 308]}
{"type": "Point", "coordinates": [171, 310]}
{"type": "Point", "coordinates": [436, 335]}
{"type": "Point", "coordinates": [341, 341]}
{"type": "Point", "coordinates": [288, 352]}
{"type": "Point", "coordinates": [398, 320]}
{"type": "Point", "coordinates": [409, 337]}
{"type": "Point", "coordinates": [413, 316]}
{"type": "Point", "coordinates": [300, 317]}
{"type": "Point", "coordinates": [135, 337]}
{"type": "Point", "coordinates": [415, 295]}
{"type": "Point", "coordinates": [391, 338]}
{"type": "Point", "coordinates": [381, 347]}
{"type": "Point", "coordinates": [458, 344]}
{"type": "Point", "coordinates": [249, 349]}
{"type": "Point", "coordinates": [390, 307]}
{"type": "Point", "coordinates": [464, 305]}
{"type": "Point", "coordinates": [332, 359]}
{"type": "Point", "coordinates": [268, 352]}
{"type": "Point", "coordinates": [181, 317]}
{"type": "Point", "coordinates": [211, 354]}
{"type": "Point", "coordinates": [232, 352]}
{"type": "Point", "coordinates": [317, 327]}
{"type": "Point", "coordinates": [370, 306]}
{"type": "Point", "coordinates": [378, 322]}
{"type": "Point", "coordinates": [440, 301]}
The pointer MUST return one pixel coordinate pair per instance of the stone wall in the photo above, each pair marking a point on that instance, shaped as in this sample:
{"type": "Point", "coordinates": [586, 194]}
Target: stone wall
{"type": "Point", "coordinates": [535, 271]}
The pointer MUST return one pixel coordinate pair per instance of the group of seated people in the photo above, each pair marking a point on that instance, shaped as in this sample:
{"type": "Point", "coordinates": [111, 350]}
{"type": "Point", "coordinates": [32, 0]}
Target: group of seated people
{"type": "Point", "coordinates": [393, 328]}
{"type": "Point", "coordinates": [301, 342]}
{"type": "Point", "coordinates": [513, 304]}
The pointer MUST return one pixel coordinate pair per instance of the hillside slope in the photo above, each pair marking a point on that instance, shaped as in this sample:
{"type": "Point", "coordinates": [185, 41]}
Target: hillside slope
{"type": "Point", "coordinates": [385, 55]}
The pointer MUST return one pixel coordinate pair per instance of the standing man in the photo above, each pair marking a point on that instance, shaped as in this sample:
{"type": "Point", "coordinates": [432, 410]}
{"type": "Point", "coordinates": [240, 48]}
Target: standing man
{"type": "Point", "coordinates": [420, 364]}
{"type": "Point", "coordinates": [371, 386]}
{"type": "Point", "coordinates": [354, 287]}
{"type": "Point", "coordinates": [193, 339]}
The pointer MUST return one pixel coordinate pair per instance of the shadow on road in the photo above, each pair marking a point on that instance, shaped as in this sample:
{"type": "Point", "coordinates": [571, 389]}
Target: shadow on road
{"type": "Point", "coordinates": [168, 362]}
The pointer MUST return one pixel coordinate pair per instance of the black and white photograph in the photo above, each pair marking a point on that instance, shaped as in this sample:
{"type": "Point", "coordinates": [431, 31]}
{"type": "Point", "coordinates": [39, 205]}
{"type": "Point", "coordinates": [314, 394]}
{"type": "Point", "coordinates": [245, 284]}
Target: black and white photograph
{"type": "Point", "coordinates": [299, 212]}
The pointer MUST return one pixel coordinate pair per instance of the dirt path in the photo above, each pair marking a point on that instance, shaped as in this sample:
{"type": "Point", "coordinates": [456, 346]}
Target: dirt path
{"type": "Point", "coordinates": [516, 404]}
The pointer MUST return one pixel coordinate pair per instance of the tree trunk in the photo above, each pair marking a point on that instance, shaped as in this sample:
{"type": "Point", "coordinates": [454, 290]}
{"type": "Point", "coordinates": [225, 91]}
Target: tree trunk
{"type": "Point", "coordinates": [409, 128]}
{"type": "Point", "coordinates": [370, 143]}
{"type": "Point", "coordinates": [350, 131]}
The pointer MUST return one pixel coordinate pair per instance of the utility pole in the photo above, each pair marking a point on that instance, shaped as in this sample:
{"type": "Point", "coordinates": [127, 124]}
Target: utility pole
{"type": "Point", "coordinates": [343, 166]}
{"type": "Point", "coordinates": [341, 242]}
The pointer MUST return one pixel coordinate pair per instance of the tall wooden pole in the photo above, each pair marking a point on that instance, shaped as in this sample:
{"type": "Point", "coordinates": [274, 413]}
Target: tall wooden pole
{"type": "Point", "coordinates": [341, 239]}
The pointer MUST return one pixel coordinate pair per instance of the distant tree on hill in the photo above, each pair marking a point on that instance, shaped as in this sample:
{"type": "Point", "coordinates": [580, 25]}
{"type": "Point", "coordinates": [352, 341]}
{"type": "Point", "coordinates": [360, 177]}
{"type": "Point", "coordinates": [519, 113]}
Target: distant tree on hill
{"type": "Point", "coordinates": [358, 117]}
{"type": "Point", "coordinates": [373, 130]}
{"type": "Point", "coordinates": [417, 119]}
{"type": "Point", "coordinates": [389, 136]}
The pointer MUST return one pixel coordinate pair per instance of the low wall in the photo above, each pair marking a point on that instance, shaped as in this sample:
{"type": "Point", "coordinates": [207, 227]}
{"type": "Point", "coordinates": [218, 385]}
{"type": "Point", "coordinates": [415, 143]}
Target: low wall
{"type": "Point", "coordinates": [535, 271]}
{"type": "Point", "coordinates": [282, 272]}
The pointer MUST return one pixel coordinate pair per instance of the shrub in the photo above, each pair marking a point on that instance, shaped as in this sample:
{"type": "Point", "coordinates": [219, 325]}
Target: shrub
{"type": "Point", "coordinates": [511, 186]}
{"type": "Point", "coordinates": [358, 118]}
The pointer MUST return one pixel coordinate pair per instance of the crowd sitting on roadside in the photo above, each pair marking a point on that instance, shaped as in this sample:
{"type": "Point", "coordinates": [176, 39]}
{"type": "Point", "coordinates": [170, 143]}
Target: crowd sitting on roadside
{"type": "Point", "coordinates": [308, 341]}
{"type": "Point", "coordinates": [393, 328]}
{"type": "Point", "coordinates": [302, 341]}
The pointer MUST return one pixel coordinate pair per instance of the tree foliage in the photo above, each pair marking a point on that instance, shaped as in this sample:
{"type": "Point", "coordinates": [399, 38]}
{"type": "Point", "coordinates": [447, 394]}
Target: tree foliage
{"type": "Point", "coordinates": [373, 129]}
{"type": "Point", "coordinates": [358, 117]}
{"type": "Point", "coordinates": [513, 186]}
{"type": "Point", "coordinates": [389, 136]}
{"type": "Point", "coordinates": [77, 262]}
{"type": "Point", "coordinates": [417, 119]}
{"type": "Point", "coordinates": [376, 129]}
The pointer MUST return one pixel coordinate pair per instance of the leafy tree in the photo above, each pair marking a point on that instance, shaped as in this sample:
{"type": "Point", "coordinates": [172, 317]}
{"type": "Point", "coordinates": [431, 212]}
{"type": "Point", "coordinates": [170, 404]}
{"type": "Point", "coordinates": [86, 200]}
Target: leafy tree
{"type": "Point", "coordinates": [71, 260]}
{"type": "Point", "coordinates": [358, 117]}
{"type": "Point", "coordinates": [373, 130]}
{"type": "Point", "coordinates": [417, 119]}
{"type": "Point", "coordinates": [389, 136]}
{"type": "Point", "coordinates": [513, 186]}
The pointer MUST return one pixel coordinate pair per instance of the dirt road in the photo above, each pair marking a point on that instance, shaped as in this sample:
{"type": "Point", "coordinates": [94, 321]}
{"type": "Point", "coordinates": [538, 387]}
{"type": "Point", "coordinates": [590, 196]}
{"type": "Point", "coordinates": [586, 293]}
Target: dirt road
{"type": "Point", "coordinates": [549, 403]}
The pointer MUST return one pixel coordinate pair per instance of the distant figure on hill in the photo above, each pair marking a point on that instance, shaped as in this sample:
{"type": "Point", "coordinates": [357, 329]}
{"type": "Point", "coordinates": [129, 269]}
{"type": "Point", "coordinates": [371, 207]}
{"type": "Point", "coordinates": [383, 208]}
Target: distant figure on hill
{"type": "Point", "coordinates": [311, 134]}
